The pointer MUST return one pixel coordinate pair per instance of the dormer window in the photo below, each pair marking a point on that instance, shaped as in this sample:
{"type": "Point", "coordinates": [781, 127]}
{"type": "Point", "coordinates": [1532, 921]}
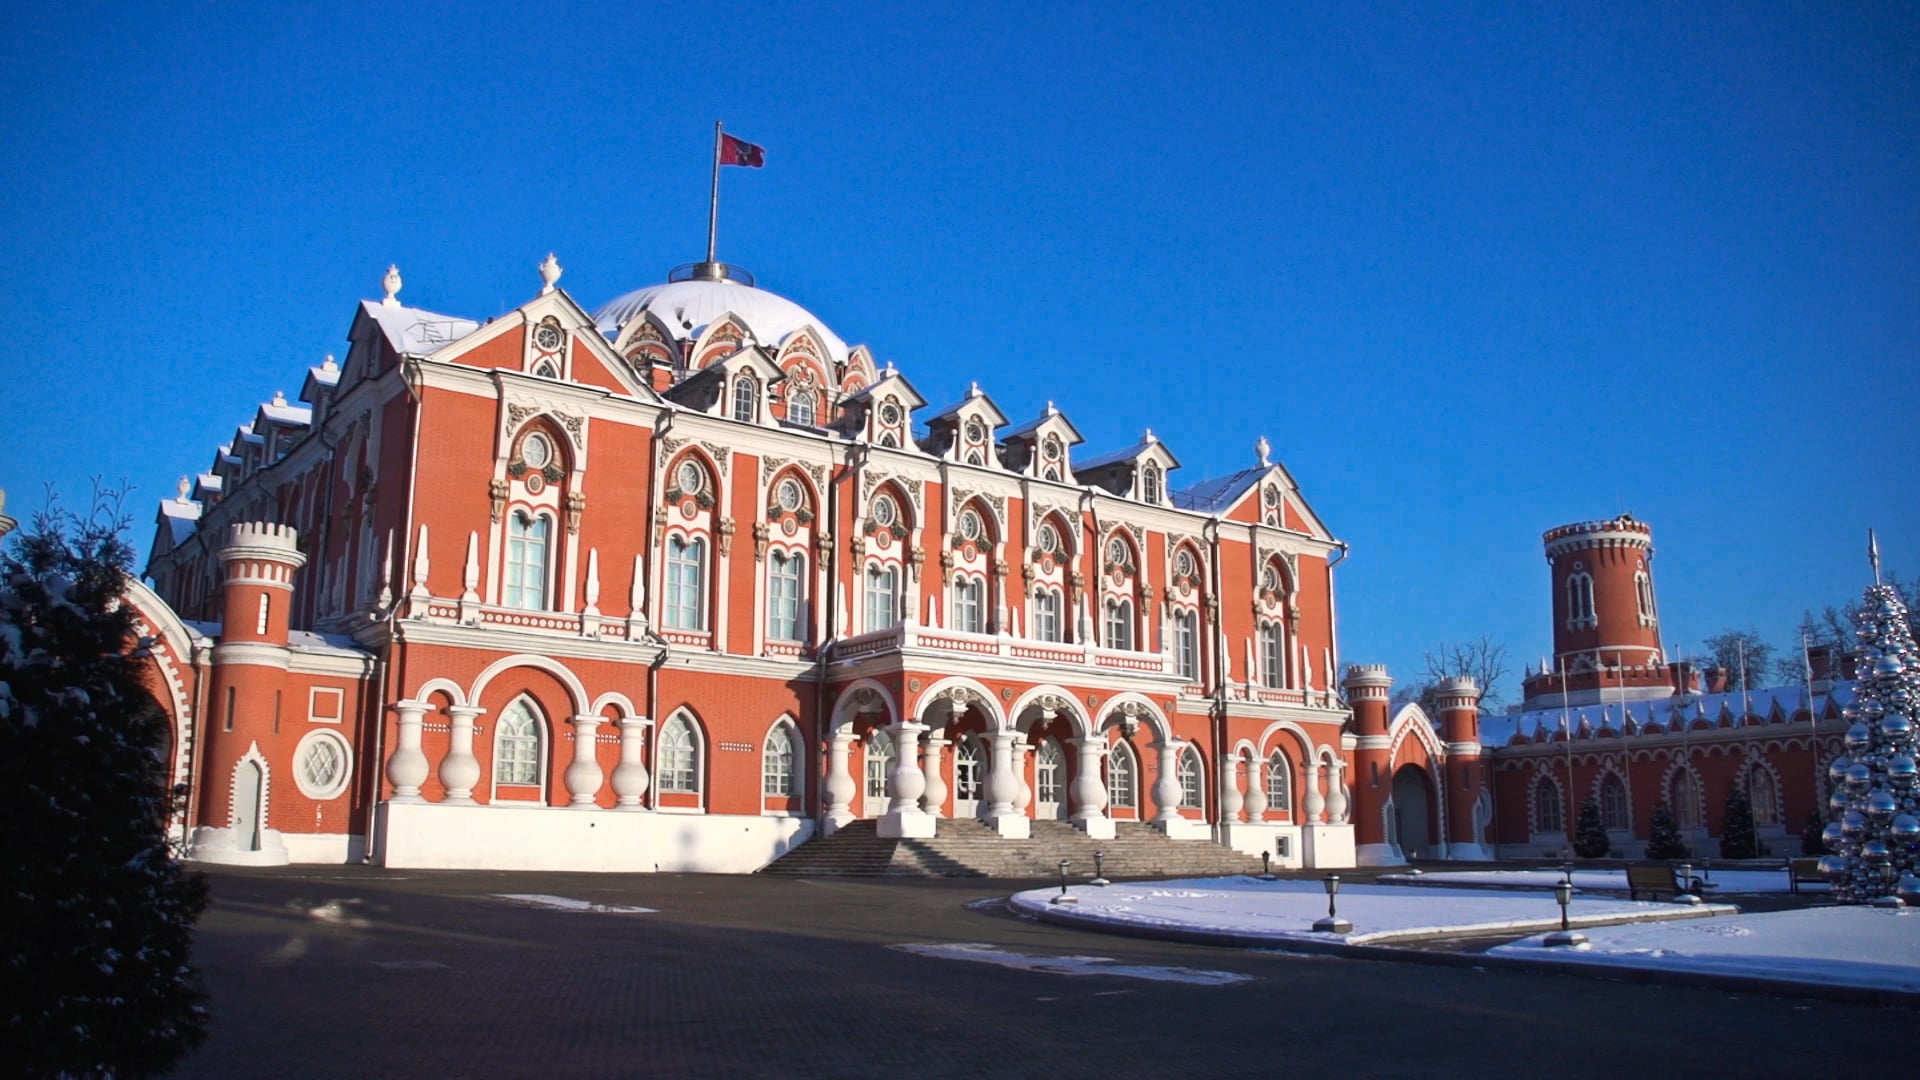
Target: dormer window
{"type": "Point", "coordinates": [746, 399]}
{"type": "Point", "coordinates": [1150, 483]}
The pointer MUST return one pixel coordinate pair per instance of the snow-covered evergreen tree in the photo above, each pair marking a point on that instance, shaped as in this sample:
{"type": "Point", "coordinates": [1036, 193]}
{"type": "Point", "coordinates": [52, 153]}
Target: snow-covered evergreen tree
{"type": "Point", "coordinates": [96, 914]}
{"type": "Point", "coordinates": [1876, 835]}
{"type": "Point", "coordinates": [1663, 836]}
{"type": "Point", "coordinates": [1738, 837]}
{"type": "Point", "coordinates": [1590, 834]}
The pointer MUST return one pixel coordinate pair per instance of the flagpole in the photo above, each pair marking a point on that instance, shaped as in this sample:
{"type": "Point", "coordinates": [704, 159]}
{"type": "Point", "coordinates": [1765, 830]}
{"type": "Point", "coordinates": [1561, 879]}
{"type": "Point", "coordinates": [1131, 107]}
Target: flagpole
{"type": "Point", "coordinates": [1566, 722]}
{"type": "Point", "coordinates": [713, 201]}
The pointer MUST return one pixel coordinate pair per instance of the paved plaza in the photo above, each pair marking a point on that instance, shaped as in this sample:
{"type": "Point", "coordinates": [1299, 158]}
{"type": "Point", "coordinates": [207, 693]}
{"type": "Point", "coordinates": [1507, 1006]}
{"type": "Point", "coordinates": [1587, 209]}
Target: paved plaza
{"type": "Point", "coordinates": [345, 971]}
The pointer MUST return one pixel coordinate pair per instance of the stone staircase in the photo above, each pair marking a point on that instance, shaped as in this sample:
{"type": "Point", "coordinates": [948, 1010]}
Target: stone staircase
{"type": "Point", "coordinates": [971, 849]}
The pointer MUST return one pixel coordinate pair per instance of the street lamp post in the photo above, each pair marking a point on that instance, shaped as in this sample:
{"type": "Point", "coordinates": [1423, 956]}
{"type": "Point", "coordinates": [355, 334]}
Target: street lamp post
{"type": "Point", "coordinates": [1266, 866]}
{"type": "Point", "coordinates": [1333, 923]}
{"type": "Point", "coordinates": [1063, 898]}
{"type": "Point", "coordinates": [1563, 892]}
{"type": "Point", "coordinates": [1099, 875]}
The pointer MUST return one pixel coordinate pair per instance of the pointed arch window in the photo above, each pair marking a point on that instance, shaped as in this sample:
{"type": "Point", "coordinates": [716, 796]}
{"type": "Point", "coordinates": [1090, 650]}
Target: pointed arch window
{"type": "Point", "coordinates": [1046, 614]}
{"type": "Point", "coordinates": [969, 604]}
{"type": "Point", "coordinates": [1686, 801]}
{"type": "Point", "coordinates": [883, 597]}
{"type": "Point", "coordinates": [785, 573]}
{"type": "Point", "coordinates": [1580, 599]}
{"type": "Point", "coordinates": [1192, 794]}
{"type": "Point", "coordinates": [1549, 816]}
{"type": "Point", "coordinates": [1764, 793]}
{"type": "Point", "coordinates": [1614, 812]}
{"type": "Point", "coordinates": [679, 757]}
{"type": "Point", "coordinates": [527, 561]}
{"type": "Point", "coordinates": [1121, 772]}
{"type": "Point", "coordinates": [1273, 655]}
{"type": "Point", "coordinates": [1643, 590]}
{"type": "Point", "coordinates": [1186, 644]}
{"type": "Point", "coordinates": [686, 575]}
{"type": "Point", "coordinates": [1279, 783]}
{"type": "Point", "coordinates": [746, 399]}
{"type": "Point", "coordinates": [1120, 625]}
{"type": "Point", "coordinates": [776, 771]}
{"type": "Point", "coordinates": [879, 763]}
{"type": "Point", "coordinates": [516, 746]}
{"type": "Point", "coordinates": [1150, 484]}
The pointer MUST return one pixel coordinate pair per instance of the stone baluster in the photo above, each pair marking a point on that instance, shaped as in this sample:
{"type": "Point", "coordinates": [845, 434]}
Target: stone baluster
{"type": "Point", "coordinates": [630, 777]}
{"type": "Point", "coordinates": [460, 770]}
{"type": "Point", "coordinates": [1256, 790]}
{"type": "Point", "coordinates": [1023, 791]}
{"type": "Point", "coordinates": [584, 774]}
{"type": "Point", "coordinates": [1230, 801]}
{"type": "Point", "coordinates": [906, 783]}
{"type": "Point", "coordinates": [1336, 793]}
{"type": "Point", "coordinates": [839, 786]}
{"type": "Point", "coordinates": [1089, 793]}
{"type": "Point", "coordinates": [1166, 789]}
{"type": "Point", "coordinates": [934, 801]}
{"type": "Point", "coordinates": [1315, 802]}
{"type": "Point", "coordinates": [407, 767]}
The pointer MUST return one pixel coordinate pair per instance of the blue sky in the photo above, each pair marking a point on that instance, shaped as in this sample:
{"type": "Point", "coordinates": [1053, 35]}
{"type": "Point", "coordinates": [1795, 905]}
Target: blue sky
{"type": "Point", "coordinates": [1475, 270]}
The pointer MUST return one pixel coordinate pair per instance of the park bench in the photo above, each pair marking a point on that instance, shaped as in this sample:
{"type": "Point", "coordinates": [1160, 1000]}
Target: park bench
{"type": "Point", "coordinates": [1805, 871]}
{"type": "Point", "coordinates": [1656, 879]}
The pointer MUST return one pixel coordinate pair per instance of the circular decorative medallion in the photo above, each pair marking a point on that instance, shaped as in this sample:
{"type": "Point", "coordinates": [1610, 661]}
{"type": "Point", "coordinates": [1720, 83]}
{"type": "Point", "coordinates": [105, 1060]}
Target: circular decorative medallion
{"type": "Point", "coordinates": [536, 483]}
{"type": "Point", "coordinates": [688, 508]}
{"type": "Point", "coordinates": [691, 478]}
{"type": "Point", "coordinates": [789, 526]}
{"type": "Point", "coordinates": [1006, 693]}
{"type": "Point", "coordinates": [913, 685]}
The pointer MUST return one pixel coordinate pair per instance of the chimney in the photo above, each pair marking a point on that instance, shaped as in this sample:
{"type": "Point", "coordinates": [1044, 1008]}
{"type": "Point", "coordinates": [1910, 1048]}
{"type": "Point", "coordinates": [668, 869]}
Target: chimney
{"type": "Point", "coordinates": [1717, 680]}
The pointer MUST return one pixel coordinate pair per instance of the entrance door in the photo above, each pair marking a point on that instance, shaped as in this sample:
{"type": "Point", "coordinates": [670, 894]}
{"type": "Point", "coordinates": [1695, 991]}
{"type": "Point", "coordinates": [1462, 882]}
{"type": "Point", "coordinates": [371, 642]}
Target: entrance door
{"type": "Point", "coordinates": [1049, 783]}
{"type": "Point", "coordinates": [246, 805]}
{"type": "Point", "coordinates": [1412, 797]}
{"type": "Point", "coordinates": [967, 780]}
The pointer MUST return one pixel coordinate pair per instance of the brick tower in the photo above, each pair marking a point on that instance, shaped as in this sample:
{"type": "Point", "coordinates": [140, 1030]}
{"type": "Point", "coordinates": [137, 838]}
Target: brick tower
{"type": "Point", "coordinates": [1606, 626]}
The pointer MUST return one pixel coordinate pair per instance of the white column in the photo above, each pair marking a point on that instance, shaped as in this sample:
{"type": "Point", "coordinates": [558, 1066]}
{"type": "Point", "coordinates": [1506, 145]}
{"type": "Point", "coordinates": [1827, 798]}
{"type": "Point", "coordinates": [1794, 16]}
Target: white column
{"type": "Point", "coordinates": [407, 767]}
{"type": "Point", "coordinates": [1023, 791]}
{"type": "Point", "coordinates": [839, 787]}
{"type": "Point", "coordinates": [460, 770]}
{"type": "Point", "coordinates": [1089, 794]}
{"type": "Point", "coordinates": [1002, 789]}
{"type": "Point", "coordinates": [1315, 802]}
{"type": "Point", "coordinates": [583, 774]}
{"type": "Point", "coordinates": [905, 785]}
{"type": "Point", "coordinates": [935, 799]}
{"type": "Point", "coordinates": [1230, 801]}
{"type": "Point", "coordinates": [1256, 790]}
{"type": "Point", "coordinates": [1166, 790]}
{"type": "Point", "coordinates": [630, 777]}
{"type": "Point", "coordinates": [1336, 794]}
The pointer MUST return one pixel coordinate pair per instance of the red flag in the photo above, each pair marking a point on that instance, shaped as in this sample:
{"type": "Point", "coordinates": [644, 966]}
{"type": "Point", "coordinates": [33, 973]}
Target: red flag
{"type": "Point", "coordinates": [740, 152]}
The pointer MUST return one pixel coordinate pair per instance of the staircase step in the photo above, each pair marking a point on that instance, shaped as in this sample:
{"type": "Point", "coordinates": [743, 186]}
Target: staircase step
{"type": "Point", "coordinates": [968, 848]}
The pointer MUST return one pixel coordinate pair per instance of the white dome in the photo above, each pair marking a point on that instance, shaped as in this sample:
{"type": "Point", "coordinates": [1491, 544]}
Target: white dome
{"type": "Point", "coordinates": [687, 307]}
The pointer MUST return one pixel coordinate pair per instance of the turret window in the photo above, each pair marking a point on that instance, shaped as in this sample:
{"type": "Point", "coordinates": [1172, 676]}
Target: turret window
{"type": "Point", "coordinates": [1643, 590]}
{"type": "Point", "coordinates": [1580, 601]}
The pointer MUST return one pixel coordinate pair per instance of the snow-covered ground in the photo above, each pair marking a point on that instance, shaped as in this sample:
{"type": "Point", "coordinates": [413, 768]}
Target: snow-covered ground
{"type": "Point", "coordinates": [1252, 910]}
{"type": "Point", "coordinates": [1825, 946]}
{"type": "Point", "coordinates": [1720, 883]}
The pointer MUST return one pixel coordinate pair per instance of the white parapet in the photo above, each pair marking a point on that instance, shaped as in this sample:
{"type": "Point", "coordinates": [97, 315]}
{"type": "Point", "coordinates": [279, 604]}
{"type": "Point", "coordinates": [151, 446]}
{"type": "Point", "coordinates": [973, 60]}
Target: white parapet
{"type": "Point", "coordinates": [449, 837]}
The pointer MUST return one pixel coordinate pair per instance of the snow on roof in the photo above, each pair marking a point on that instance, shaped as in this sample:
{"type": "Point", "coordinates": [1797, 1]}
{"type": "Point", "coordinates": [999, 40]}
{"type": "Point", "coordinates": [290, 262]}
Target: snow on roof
{"type": "Point", "coordinates": [414, 332]}
{"type": "Point", "coordinates": [182, 517]}
{"type": "Point", "coordinates": [974, 394]}
{"type": "Point", "coordinates": [280, 412]}
{"type": "Point", "coordinates": [1497, 729]}
{"type": "Point", "coordinates": [1033, 425]}
{"type": "Point", "coordinates": [327, 644]}
{"type": "Point", "coordinates": [688, 307]}
{"type": "Point", "coordinates": [1211, 496]}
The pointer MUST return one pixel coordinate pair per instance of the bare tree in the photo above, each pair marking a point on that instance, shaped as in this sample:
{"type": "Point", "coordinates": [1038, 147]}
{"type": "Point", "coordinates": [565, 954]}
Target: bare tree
{"type": "Point", "coordinates": [1481, 658]}
{"type": "Point", "coordinates": [1744, 654]}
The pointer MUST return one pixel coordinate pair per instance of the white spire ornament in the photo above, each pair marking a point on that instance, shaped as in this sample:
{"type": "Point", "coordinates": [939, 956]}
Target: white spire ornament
{"type": "Point", "coordinates": [391, 283]}
{"type": "Point", "coordinates": [1875, 835]}
{"type": "Point", "coordinates": [550, 272]}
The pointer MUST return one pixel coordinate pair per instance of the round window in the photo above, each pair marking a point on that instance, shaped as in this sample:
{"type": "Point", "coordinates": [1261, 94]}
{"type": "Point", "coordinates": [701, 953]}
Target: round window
{"type": "Point", "coordinates": [1049, 539]}
{"type": "Point", "coordinates": [883, 511]}
{"type": "Point", "coordinates": [789, 494]}
{"type": "Point", "coordinates": [890, 413]}
{"type": "Point", "coordinates": [536, 451]}
{"type": "Point", "coordinates": [976, 431]}
{"type": "Point", "coordinates": [1117, 553]}
{"type": "Point", "coordinates": [1050, 449]}
{"type": "Point", "coordinates": [548, 337]}
{"type": "Point", "coordinates": [322, 765]}
{"type": "Point", "coordinates": [692, 478]}
{"type": "Point", "coordinates": [1273, 496]}
{"type": "Point", "coordinates": [1270, 579]}
{"type": "Point", "coordinates": [970, 525]}
{"type": "Point", "coordinates": [1183, 564]}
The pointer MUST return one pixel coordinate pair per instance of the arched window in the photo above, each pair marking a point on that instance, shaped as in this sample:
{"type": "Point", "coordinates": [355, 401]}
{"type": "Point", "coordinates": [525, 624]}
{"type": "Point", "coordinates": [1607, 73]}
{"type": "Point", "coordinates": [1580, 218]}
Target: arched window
{"type": "Point", "coordinates": [1192, 794]}
{"type": "Point", "coordinates": [883, 597]}
{"type": "Point", "coordinates": [1120, 776]}
{"type": "Point", "coordinates": [1614, 813]}
{"type": "Point", "coordinates": [516, 746]}
{"type": "Point", "coordinates": [1119, 625]}
{"type": "Point", "coordinates": [1580, 599]}
{"type": "Point", "coordinates": [1049, 767]}
{"type": "Point", "coordinates": [1273, 655]}
{"type": "Point", "coordinates": [679, 757]}
{"type": "Point", "coordinates": [879, 763]}
{"type": "Point", "coordinates": [686, 571]}
{"type": "Point", "coordinates": [1279, 783]}
{"type": "Point", "coordinates": [1764, 794]}
{"type": "Point", "coordinates": [785, 572]}
{"type": "Point", "coordinates": [800, 407]}
{"type": "Point", "coordinates": [1549, 813]}
{"type": "Point", "coordinates": [969, 602]}
{"type": "Point", "coordinates": [1186, 644]}
{"type": "Point", "coordinates": [746, 399]}
{"type": "Point", "coordinates": [1150, 483]}
{"type": "Point", "coordinates": [527, 561]}
{"type": "Point", "coordinates": [1643, 589]}
{"type": "Point", "coordinates": [776, 770]}
{"type": "Point", "coordinates": [1046, 614]}
{"type": "Point", "coordinates": [1686, 801]}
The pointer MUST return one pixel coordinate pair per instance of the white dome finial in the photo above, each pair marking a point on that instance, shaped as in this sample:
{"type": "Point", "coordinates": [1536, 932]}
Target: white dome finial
{"type": "Point", "coordinates": [549, 273]}
{"type": "Point", "coordinates": [1264, 449]}
{"type": "Point", "coordinates": [185, 486]}
{"type": "Point", "coordinates": [329, 364]}
{"type": "Point", "coordinates": [975, 390]}
{"type": "Point", "coordinates": [391, 283]}
{"type": "Point", "coordinates": [1151, 437]}
{"type": "Point", "coordinates": [279, 397]}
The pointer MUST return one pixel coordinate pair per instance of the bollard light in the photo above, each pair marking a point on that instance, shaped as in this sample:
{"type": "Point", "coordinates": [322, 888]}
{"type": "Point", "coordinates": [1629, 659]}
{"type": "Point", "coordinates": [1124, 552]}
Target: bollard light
{"type": "Point", "coordinates": [1333, 923]}
{"type": "Point", "coordinates": [1563, 892]}
{"type": "Point", "coordinates": [1266, 866]}
{"type": "Point", "coordinates": [1063, 898]}
{"type": "Point", "coordinates": [1099, 875]}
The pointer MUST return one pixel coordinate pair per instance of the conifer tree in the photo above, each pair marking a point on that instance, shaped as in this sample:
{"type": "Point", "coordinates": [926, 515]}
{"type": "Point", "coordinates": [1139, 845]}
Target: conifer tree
{"type": "Point", "coordinates": [96, 916]}
{"type": "Point", "coordinates": [1590, 835]}
{"type": "Point", "coordinates": [1663, 839]}
{"type": "Point", "coordinates": [1738, 838]}
{"type": "Point", "coordinates": [1811, 843]}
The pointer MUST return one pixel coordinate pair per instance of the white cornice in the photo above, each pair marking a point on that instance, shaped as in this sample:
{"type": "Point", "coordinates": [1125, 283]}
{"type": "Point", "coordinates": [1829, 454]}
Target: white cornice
{"type": "Point", "coordinates": [519, 639]}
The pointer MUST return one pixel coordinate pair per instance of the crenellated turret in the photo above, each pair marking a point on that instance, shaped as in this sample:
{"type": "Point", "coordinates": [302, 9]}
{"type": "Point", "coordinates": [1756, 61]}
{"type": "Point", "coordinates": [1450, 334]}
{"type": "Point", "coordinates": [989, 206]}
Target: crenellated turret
{"type": "Point", "coordinates": [259, 562]}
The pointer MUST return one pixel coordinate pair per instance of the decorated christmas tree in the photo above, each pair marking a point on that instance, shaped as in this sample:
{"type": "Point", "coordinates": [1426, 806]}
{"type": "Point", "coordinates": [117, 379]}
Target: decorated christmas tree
{"type": "Point", "coordinates": [1874, 836]}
